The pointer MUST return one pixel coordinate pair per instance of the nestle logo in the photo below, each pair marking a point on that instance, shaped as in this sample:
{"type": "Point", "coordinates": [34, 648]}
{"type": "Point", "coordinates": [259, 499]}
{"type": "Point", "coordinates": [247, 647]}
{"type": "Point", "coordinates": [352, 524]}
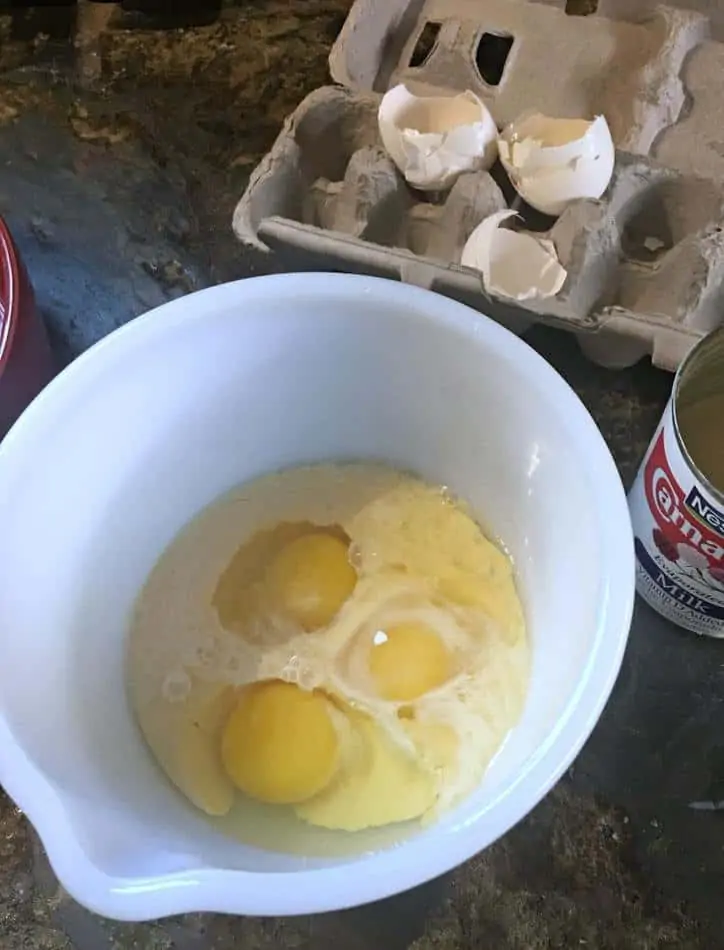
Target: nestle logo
{"type": "Point", "coordinates": [699, 506]}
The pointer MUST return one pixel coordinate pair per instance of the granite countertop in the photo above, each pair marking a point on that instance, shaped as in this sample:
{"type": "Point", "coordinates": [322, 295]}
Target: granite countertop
{"type": "Point", "coordinates": [123, 155]}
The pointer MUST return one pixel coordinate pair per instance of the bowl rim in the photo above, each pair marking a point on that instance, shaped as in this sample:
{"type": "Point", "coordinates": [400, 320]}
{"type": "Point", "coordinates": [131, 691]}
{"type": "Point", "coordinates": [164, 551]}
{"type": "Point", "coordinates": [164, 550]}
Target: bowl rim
{"type": "Point", "coordinates": [414, 862]}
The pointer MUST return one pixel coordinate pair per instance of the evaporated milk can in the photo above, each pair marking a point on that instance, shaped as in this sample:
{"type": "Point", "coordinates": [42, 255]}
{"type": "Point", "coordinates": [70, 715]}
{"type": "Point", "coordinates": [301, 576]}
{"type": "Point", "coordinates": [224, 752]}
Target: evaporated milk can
{"type": "Point", "coordinates": [677, 500]}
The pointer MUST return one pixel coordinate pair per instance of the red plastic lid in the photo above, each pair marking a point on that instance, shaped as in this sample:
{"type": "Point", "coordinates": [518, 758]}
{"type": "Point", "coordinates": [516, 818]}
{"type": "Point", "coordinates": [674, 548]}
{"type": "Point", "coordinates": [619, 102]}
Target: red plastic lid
{"type": "Point", "coordinates": [9, 280]}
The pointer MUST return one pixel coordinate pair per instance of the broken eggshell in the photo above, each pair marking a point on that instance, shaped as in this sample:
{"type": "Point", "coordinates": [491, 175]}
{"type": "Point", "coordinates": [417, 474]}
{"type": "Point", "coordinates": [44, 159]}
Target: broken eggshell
{"type": "Point", "coordinates": [553, 162]}
{"type": "Point", "coordinates": [434, 139]}
{"type": "Point", "coordinates": [513, 264]}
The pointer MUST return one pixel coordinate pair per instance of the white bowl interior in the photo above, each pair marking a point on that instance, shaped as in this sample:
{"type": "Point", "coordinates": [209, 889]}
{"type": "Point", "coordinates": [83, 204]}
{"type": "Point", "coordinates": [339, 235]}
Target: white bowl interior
{"type": "Point", "coordinates": [216, 389]}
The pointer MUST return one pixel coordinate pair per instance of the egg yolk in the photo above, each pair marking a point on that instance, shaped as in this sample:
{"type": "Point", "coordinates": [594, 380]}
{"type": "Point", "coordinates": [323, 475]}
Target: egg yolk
{"type": "Point", "coordinates": [311, 578]}
{"type": "Point", "coordinates": [408, 660]}
{"type": "Point", "coordinates": [279, 744]}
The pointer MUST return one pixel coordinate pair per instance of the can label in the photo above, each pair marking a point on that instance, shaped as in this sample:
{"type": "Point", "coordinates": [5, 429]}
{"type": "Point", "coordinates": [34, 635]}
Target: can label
{"type": "Point", "coordinates": [678, 530]}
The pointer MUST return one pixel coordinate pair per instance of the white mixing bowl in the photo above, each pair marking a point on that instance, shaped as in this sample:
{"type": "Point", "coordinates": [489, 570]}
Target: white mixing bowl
{"type": "Point", "coordinates": [219, 387]}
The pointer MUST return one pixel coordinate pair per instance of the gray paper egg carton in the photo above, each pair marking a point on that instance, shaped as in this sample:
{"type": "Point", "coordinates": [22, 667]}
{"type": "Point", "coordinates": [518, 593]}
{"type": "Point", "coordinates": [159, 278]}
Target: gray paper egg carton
{"type": "Point", "coordinates": [645, 263]}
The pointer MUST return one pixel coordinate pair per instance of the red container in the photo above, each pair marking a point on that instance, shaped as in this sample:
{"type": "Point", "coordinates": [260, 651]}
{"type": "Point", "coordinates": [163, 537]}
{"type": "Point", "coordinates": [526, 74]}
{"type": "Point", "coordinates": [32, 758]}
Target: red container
{"type": "Point", "coordinates": [26, 362]}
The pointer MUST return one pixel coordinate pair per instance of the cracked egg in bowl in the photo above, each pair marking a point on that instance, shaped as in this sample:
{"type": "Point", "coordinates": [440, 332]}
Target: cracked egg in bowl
{"type": "Point", "coordinates": [339, 641]}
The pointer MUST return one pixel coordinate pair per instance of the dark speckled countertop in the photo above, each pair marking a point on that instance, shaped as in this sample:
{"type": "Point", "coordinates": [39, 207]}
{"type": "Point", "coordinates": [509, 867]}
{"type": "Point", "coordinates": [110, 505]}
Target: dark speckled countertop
{"type": "Point", "coordinates": [123, 153]}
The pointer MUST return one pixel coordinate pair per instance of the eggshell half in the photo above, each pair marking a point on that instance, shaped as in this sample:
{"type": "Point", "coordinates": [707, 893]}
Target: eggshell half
{"type": "Point", "coordinates": [434, 139]}
{"type": "Point", "coordinates": [554, 162]}
{"type": "Point", "coordinates": [513, 264]}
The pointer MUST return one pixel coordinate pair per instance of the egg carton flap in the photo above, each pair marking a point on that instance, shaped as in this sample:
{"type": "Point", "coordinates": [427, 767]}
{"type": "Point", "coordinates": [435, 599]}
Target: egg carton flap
{"type": "Point", "coordinates": [645, 264]}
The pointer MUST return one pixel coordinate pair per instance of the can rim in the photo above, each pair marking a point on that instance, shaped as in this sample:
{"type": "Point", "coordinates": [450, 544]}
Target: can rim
{"type": "Point", "coordinates": [9, 283]}
{"type": "Point", "coordinates": [717, 493]}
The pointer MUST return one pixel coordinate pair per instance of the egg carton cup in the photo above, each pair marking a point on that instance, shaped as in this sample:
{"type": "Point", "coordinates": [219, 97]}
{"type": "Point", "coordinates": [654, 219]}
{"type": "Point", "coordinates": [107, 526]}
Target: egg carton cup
{"type": "Point", "coordinates": [645, 263]}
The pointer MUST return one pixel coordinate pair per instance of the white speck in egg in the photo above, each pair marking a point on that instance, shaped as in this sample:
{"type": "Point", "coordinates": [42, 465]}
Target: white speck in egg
{"type": "Point", "coordinates": [354, 555]}
{"type": "Point", "coordinates": [176, 686]}
{"type": "Point", "coordinates": [447, 495]}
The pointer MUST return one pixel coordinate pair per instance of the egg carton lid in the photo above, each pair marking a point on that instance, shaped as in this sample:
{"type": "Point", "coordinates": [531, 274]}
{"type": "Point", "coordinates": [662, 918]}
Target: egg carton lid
{"type": "Point", "coordinates": [501, 49]}
{"type": "Point", "coordinates": [436, 44]}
